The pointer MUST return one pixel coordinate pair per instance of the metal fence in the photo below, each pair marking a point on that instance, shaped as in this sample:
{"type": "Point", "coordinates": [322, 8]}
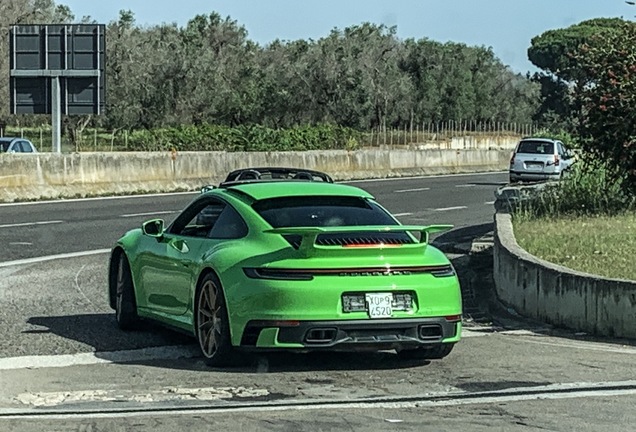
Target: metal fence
{"type": "Point", "coordinates": [91, 140]}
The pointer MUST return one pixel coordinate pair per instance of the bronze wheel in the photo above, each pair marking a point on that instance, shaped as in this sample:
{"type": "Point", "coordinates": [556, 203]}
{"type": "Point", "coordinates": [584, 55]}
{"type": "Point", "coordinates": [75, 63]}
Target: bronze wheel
{"type": "Point", "coordinates": [212, 326]}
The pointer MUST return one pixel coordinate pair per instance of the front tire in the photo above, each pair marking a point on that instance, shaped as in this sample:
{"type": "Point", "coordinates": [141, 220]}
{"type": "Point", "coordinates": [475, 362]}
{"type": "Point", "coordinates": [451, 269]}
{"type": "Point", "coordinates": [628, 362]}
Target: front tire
{"type": "Point", "coordinates": [436, 352]}
{"type": "Point", "coordinates": [125, 302]}
{"type": "Point", "coordinates": [212, 327]}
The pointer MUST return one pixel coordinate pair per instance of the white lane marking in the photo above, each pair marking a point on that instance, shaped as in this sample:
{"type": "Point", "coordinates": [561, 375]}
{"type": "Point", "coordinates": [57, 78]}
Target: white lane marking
{"type": "Point", "coordinates": [423, 177]}
{"type": "Point", "coordinates": [402, 214]}
{"type": "Point", "coordinates": [52, 257]}
{"type": "Point", "coordinates": [436, 399]}
{"type": "Point", "coordinates": [91, 358]}
{"type": "Point", "coordinates": [450, 208]}
{"type": "Point", "coordinates": [26, 224]}
{"type": "Point", "coordinates": [20, 244]}
{"type": "Point", "coordinates": [412, 190]}
{"type": "Point", "coordinates": [64, 201]}
{"type": "Point", "coordinates": [465, 185]}
{"type": "Point", "coordinates": [164, 395]}
{"type": "Point", "coordinates": [131, 215]}
{"type": "Point", "coordinates": [489, 202]}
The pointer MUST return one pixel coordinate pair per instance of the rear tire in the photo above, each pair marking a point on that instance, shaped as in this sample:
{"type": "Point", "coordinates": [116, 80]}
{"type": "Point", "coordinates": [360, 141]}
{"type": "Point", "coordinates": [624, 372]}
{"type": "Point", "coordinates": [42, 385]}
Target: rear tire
{"type": "Point", "coordinates": [212, 326]}
{"type": "Point", "coordinates": [436, 352]}
{"type": "Point", "coordinates": [125, 302]}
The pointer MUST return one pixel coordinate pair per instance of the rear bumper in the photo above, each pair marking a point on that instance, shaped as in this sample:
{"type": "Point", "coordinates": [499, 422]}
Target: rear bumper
{"type": "Point", "coordinates": [352, 335]}
{"type": "Point", "coordinates": [533, 176]}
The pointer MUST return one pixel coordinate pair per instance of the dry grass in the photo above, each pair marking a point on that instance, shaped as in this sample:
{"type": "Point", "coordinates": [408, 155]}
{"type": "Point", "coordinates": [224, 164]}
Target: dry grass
{"type": "Point", "coordinates": [600, 245]}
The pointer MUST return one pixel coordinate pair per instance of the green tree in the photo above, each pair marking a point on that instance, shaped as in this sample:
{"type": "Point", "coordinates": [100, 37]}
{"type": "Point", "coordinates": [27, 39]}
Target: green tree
{"type": "Point", "coordinates": [555, 52]}
{"type": "Point", "coordinates": [608, 98]}
{"type": "Point", "coordinates": [24, 12]}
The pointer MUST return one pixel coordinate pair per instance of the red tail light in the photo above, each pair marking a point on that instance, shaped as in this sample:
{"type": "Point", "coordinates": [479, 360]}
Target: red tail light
{"type": "Point", "coordinates": [512, 159]}
{"type": "Point", "coordinates": [453, 318]}
{"type": "Point", "coordinates": [557, 160]}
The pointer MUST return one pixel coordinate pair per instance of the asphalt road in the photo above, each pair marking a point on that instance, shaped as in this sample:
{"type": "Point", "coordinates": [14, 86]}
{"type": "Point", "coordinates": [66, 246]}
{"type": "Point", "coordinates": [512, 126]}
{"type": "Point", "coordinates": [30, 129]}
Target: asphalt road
{"type": "Point", "coordinates": [65, 366]}
{"type": "Point", "coordinates": [30, 230]}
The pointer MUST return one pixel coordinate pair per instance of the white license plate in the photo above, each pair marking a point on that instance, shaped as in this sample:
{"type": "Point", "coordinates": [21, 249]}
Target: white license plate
{"type": "Point", "coordinates": [534, 166]}
{"type": "Point", "coordinates": [379, 305]}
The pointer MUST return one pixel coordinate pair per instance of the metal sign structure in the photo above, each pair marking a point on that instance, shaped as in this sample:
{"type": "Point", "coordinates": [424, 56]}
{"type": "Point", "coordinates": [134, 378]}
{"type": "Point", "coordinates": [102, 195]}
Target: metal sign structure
{"type": "Point", "coordinates": [57, 69]}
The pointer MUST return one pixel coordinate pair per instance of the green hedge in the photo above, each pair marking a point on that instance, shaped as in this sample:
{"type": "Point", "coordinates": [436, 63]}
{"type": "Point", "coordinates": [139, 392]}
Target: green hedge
{"type": "Point", "coordinates": [245, 138]}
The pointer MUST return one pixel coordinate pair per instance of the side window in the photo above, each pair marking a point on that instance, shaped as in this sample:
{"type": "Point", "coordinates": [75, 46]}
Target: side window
{"type": "Point", "coordinates": [230, 225]}
{"type": "Point", "coordinates": [26, 147]}
{"type": "Point", "coordinates": [198, 220]}
{"type": "Point", "coordinates": [560, 149]}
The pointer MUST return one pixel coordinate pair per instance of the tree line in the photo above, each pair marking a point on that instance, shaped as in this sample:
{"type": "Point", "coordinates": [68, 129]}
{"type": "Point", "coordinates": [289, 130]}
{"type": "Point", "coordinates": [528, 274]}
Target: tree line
{"type": "Point", "coordinates": [588, 86]}
{"type": "Point", "coordinates": [210, 72]}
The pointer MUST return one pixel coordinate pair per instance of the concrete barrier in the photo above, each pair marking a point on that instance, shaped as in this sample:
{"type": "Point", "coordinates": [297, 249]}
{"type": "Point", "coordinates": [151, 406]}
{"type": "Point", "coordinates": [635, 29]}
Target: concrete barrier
{"type": "Point", "coordinates": [558, 295]}
{"type": "Point", "coordinates": [49, 176]}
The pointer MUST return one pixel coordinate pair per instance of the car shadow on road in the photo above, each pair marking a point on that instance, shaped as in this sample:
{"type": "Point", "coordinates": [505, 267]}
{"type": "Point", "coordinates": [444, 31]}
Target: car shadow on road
{"type": "Point", "coordinates": [502, 183]}
{"type": "Point", "coordinates": [100, 332]}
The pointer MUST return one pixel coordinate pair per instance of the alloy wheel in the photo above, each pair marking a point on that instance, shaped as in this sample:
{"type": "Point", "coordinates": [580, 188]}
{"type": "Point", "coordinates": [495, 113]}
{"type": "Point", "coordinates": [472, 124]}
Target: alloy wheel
{"type": "Point", "coordinates": [209, 319]}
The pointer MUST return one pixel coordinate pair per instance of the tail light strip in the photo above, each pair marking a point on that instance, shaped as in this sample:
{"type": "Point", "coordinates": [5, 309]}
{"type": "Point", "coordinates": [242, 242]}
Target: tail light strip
{"type": "Point", "coordinates": [309, 274]}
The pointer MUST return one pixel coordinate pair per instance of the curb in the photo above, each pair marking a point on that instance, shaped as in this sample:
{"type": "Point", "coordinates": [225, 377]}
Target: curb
{"type": "Point", "coordinates": [558, 295]}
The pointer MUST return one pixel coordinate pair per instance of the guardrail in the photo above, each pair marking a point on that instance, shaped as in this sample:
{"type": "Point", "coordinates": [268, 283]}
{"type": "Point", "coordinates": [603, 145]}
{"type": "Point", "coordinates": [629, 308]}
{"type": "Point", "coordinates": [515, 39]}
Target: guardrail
{"type": "Point", "coordinates": [49, 176]}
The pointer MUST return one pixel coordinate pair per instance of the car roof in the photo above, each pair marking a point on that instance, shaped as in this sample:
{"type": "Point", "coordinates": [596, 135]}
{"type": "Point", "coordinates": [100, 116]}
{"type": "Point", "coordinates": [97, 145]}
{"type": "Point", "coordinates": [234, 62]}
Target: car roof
{"type": "Point", "coordinates": [276, 189]}
{"type": "Point", "coordinates": [550, 140]}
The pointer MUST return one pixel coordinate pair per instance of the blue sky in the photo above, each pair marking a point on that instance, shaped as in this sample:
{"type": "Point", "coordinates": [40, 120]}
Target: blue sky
{"type": "Point", "coordinates": [505, 25]}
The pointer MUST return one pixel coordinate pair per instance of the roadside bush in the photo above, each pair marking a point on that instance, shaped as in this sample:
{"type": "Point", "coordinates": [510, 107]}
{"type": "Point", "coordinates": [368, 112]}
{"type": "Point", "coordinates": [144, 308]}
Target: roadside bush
{"type": "Point", "coordinates": [570, 141]}
{"type": "Point", "coordinates": [244, 138]}
{"type": "Point", "coordinates": [592, 188]}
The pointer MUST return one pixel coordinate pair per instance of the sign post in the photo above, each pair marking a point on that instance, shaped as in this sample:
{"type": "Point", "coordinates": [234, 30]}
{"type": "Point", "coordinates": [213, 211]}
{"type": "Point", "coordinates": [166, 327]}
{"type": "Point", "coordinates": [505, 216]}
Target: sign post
{"type": "Point", "coordinates": [56, 115]}
{"type": "Point", "coordinates": [57, 69]}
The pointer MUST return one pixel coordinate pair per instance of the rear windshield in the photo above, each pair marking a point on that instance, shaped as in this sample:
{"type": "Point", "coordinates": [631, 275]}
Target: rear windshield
{"type": "Point", "coordinates": [321, 211]}
{"type": "Point", "coordinates": [536, 147]}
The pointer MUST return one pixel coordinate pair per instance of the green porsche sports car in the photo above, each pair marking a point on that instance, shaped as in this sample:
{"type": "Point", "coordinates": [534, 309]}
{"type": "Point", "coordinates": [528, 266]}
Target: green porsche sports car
{"type": "Point", "coordinates": [285, 259]}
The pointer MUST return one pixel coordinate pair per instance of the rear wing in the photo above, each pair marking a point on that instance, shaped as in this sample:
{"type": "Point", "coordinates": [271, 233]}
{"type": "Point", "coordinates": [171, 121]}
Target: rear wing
{"type": "Point", "coordinates": [310, 234]}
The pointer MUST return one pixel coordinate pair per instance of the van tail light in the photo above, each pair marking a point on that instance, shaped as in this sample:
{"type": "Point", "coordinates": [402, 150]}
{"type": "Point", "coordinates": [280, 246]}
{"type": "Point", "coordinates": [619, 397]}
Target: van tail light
{"type": "Point", "coordinates": [512, 159]}
{"type": "Point", "coordinates": [557, 160]}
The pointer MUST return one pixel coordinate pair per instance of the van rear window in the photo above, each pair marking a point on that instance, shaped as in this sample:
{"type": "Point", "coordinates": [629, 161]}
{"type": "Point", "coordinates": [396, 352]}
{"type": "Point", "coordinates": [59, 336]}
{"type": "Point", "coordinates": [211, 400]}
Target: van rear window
{"type": "Point", "coordinates": [536, 147]}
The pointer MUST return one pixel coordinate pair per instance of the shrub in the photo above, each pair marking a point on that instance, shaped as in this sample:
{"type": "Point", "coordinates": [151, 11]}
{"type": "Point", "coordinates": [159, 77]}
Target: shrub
{"type": "Point", "coordinates": [244, 138]}
{"type": "Point", "coordinates": [592, 188]}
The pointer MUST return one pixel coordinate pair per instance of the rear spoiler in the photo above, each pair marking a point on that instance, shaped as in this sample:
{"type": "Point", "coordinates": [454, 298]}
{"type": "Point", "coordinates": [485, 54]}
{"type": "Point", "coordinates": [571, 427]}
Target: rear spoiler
{"type": "Point", "coordinates": [310, 234]}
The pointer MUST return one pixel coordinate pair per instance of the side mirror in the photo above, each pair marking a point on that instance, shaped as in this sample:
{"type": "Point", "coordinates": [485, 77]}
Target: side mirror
{"type": "Point", "coordinates": [153, 228]}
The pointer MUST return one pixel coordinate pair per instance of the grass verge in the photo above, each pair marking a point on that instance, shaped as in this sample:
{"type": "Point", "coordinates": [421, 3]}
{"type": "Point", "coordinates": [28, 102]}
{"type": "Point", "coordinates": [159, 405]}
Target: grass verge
{"type": "Point", "coordinates": [601, 245]}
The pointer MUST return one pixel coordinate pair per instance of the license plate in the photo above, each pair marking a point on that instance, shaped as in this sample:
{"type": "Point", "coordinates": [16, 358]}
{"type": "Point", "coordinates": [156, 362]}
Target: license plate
{"type": "Point", "coordinates": [534, 166]}
{"type": "Point", "coordinates": [379, 305]}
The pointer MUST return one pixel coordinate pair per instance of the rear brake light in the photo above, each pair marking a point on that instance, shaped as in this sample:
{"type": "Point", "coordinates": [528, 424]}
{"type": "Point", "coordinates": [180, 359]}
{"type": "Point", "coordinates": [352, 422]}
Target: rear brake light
{"type": "Point", "coordinates": [276, 274]}
{"type": "Point", "coordinates": [556, 160]}
{"type": "Point", "coordinates": [512, 160]}
{"type": "Point", "coordinates": [453, 318]}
